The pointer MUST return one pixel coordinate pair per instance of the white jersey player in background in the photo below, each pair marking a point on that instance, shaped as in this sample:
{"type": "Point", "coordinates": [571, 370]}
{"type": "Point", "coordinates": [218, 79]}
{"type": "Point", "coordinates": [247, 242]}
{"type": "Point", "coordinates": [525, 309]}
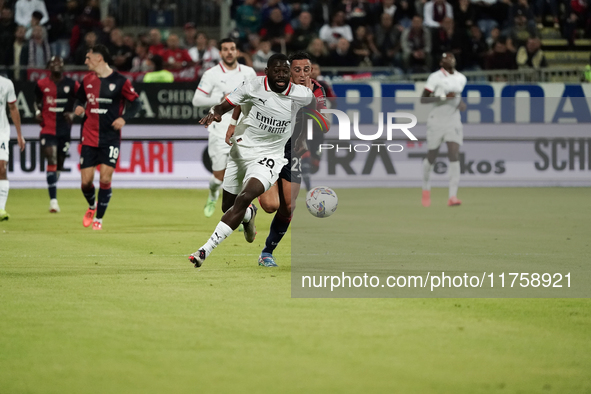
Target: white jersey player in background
{"type": "Point", "coordinates": [7, 96]}
{"type": "Point", "coordinates": [269, 105]}
{"type": "Point", "coordinates": [215, 84]}
{"type": "Point", "coordinates": [444, 89]}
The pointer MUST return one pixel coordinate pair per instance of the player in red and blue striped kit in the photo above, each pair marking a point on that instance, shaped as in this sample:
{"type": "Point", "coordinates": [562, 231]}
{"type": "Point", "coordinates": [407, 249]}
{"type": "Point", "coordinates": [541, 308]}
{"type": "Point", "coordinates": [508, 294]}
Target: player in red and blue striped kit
{"type": "Point", "coordinates": [105, 93]}
{"type": "Point", "coordinates": [54, 102]}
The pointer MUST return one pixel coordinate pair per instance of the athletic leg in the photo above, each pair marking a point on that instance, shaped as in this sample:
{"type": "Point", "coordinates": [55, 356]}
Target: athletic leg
{"type": "Point", "coordinates": [453, 154]}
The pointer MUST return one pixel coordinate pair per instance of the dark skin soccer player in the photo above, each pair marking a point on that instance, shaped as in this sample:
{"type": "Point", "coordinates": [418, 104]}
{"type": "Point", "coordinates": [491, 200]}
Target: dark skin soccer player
{"type": "Point", "coordinates": [54, 102]}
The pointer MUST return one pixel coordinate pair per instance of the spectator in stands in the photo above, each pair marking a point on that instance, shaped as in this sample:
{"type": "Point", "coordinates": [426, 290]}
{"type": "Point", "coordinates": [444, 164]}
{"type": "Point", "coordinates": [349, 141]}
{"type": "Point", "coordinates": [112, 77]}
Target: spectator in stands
{"type": "Point", "coordinates": [156, 45]}
{"type": "Point", "coordinates": [500, 58]}
{"type": "Point", "coordinates": [86, 22]}
{"type": "Point", "coordinates": [520, 32]}
{"type": "Point", "coordinates": [108, 24]}
{"type": "Point", "coordinates": [330, 34]}
{"type": "Point", "coordinates": [35, 21]}
{"type": "Point", "coordinates": [59, 33]}
{"type": "Point", "coordinates": [387, 41]}
{"type": "Point", "coordinates": [318, 52]}
{"type": "Point", "coordinates": [531, 55]}
{"type": "Point", "coordinates": [18, 54]}
{"type": "Point", "coordinates": [23, 11]}
{"type": "Point", "coordinates": [7, 33]}
{"type": "Point", "coordinates": [248, 19]}
{"type": "Point", "coordinates": [159, 75]}
{"type": "Point", "coordinates": [304, 34]}
{"type": "Point", "coordinates": [464, 15]}
{"type": "Point", "coordinates": [90, 41]}
{"type": "Point", "coordinates": [416, 46]}
{"type": "Point", "coordinates": [495, 34]}
{"type": "Point", "coordinates": [578, 17]}
{"type": "Point", "coordinates": [121, 54]}
{"type": "Point", "coordinates": [93, 11]}
{"type": "Point", "coordinates": [129, 40]}
{"type": "Point", "coordinates": [203, 54]}
{"type": "Point", "coordinates": [322, 12]}
{"type": "Point", "coordinates": [540, 11]}
{"type": "Point", "coordinates": [342, 55]}
{"type": "Point", "coordinates": [278, 31]}
{"type": "Point", "coordinates": [445, 40]}
{"type": "Point", "coordinates": [268, 8]}
{"type": "Point", "coordinates": [357, 13]}
{"type": "Point", "coordinates": [189, 35]}
{"type": "Point", "coordinates": [523, 6]}
{"type": "Point", "coordinates": [401, 12]}
{"type": "Point", "coordinates": [475, 52]}
{"type": "Point", "coordinates": [39, 52]}
{"type": "Point", "coordinates": [434, 12]}
{"type": "Point", "coordinates": [141, 62]}
{"type": "Point", "coordinates": [364, 48]}
{"type": "Point", "coordinates": [259, 60]}
{"type": "Point", "coordinates": [174, 56]}
{"type": "Point", "coordinates": [491, 14]}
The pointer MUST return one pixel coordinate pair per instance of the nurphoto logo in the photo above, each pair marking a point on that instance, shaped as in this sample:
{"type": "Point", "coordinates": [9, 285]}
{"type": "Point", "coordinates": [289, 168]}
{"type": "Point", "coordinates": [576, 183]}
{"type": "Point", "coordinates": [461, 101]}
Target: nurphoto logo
{"type": "Point", "coordinates": [345, 129]}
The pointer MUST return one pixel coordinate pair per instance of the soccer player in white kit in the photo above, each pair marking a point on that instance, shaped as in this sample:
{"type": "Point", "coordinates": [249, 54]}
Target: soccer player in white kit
{"type": "Point", "coordinates": [269, 105]}
{"type": "Point", "coordinates": [215, 84]}
{"type": "Point", "coordinates": [444, 89]}
{"type": "Point", "coordinates": [7, 96]}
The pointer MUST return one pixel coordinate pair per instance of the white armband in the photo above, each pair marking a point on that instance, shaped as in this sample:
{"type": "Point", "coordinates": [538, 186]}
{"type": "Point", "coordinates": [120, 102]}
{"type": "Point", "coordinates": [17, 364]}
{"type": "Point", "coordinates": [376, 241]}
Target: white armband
{"type": "Point", "coordinates": [37, 112]}
{"type": "Point", "coordinates": [233, 122]}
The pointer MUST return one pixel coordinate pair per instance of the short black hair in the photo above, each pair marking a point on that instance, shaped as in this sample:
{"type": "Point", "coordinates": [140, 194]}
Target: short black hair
{"type": "Point", "coordinates": [301, 55]}
{"type": "Point", "coordinates": [37, 15]}
{"type": "Point", "coordinates": [100, 48]}
{"type": "Point", "coordinates": [277, 57]}
{"type": "Point", "coordinates": [158, 62]}
{"type": "Point", "coordinates": [227, 40]}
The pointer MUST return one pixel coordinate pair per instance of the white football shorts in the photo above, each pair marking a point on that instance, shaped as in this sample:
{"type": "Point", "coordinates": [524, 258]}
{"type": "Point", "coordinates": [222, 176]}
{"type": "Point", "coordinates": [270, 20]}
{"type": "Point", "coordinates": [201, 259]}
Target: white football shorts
{"type": "Point", "coordinates": [4, 150]}
{"type": "Point", "coordinates": [239, 171]}
{"type": "Point", "coordinates": [438, 135]}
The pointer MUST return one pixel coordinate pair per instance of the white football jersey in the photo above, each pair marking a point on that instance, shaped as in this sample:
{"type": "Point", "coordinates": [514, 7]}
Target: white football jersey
{"type": "Point", "coordinates": [219, 81]}
{"type": "Point", "coordinates": [7, 95]}
{"type": "Point", "coordinates": [267, 122]}
{"type": "Point", "coordinates": [445, 112]}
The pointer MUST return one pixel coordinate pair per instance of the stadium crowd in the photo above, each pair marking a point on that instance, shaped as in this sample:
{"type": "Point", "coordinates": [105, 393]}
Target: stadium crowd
{"type": "Point", "coordinates": [407, 34]}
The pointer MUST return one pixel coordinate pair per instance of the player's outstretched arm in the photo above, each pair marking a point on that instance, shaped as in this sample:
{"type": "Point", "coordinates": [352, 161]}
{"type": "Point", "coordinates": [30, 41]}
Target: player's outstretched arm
{"type": "Point", "coordinates": [16, 119]}
{"type": "Point", "coordinates": [216, 112]}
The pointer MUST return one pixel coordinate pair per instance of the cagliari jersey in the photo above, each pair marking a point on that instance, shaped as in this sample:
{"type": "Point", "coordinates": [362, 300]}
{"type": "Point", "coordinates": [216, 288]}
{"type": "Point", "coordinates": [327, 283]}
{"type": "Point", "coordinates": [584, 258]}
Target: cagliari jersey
{"type": "Point", "coordinates": [53, 100]}
{"type": "Point", "coordinates": [445, 112]}
{"type": "Point", "coordinates": [268, 123]}
{"type": "Point", "coordinates": [216, 83]}
{"type": "Point", "coordinates": [7, 95]}
{"type": "Point", "coordinates": [105, 101]}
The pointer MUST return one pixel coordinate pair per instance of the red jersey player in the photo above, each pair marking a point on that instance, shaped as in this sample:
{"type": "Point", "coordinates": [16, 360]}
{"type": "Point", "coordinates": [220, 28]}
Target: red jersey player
{"type": "Point", "coordinates": [54, 102]}
{"type": "Point", "coordinates": [105, 93]}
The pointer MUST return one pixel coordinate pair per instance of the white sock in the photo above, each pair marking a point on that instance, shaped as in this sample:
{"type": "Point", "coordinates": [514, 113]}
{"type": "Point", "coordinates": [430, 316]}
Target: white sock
{"type": "Point", "coordinates": [98, 220]}
{"type": "Point", "coordinates": [454, 178]}
{"type": "Point", "coordinates": [427, 168]}
{"type": "Point", "coordinates": [4, 186]}
{"type": "Point", "coordinates": [214, 188]}
{"type": "Point", "coordinates": [247, 215]}
{"type": "Point", "coordinates": [222, 231]}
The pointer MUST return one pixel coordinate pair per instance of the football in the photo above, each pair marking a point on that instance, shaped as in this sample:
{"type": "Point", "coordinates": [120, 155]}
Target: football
{"type": "Point", "coordinates": [322, 201]}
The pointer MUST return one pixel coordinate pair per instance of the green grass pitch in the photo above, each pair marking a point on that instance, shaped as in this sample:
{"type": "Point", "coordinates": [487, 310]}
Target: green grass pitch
{"type": "Point", "coordinates": [123, 311]}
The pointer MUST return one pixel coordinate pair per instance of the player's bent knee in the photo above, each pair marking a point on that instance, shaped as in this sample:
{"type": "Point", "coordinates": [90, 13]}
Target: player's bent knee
{"type": "Point", "coordinates": [268, 206]}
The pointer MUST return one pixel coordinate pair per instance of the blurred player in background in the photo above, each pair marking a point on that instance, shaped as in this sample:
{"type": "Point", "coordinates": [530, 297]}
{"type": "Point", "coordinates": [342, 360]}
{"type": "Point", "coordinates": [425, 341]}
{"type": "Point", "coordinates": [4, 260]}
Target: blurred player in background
{"type": "Point", "coordinates": [282, 196]}
{"type": "Point", "coordinates": [256, 158]}
{"type": "Point", "coordinates": [444, 89]}
{"type": "Point", "coordinates": [215, 84]}
{"type": "Point", "coordinates": [54, 103]}
{"type": "Point", "coordinates": [7, 96]}
{"type": "Point", "coordinates": [104, 92]}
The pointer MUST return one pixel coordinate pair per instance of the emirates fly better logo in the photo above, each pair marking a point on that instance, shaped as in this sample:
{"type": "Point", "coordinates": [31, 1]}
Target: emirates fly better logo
{"type": "Point", "coordinates": [317, 118]}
